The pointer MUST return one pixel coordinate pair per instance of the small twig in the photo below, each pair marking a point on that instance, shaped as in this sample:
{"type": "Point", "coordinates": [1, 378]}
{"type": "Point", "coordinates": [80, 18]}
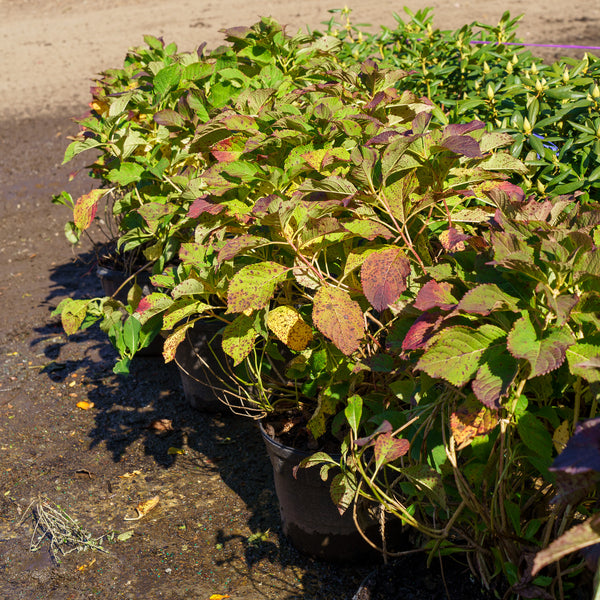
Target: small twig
{"type": "Point", "coordinates": [59, 528]}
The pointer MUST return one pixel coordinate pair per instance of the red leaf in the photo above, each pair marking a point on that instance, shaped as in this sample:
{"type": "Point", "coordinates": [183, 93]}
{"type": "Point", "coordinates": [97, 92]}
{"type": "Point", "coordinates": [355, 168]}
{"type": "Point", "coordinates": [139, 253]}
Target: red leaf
{"type": "Point", "coordinates": [421, 331]}
{"type": "Point", "coordinates": [383, 276]}
{"type": "Point", "coordinates": [86, 207]}
{"type": "Point", "coordinates": [200, 205]}
{"type": "Point", "coordinates": [435, 295]}
{"type": "Point", "coordinates": [388, 448]}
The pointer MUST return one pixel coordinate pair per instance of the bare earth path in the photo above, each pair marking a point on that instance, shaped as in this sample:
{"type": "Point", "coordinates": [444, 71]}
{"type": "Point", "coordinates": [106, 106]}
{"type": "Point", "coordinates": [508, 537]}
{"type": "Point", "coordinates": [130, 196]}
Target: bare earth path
{"type": "Point", "coordinates": [216, 527]}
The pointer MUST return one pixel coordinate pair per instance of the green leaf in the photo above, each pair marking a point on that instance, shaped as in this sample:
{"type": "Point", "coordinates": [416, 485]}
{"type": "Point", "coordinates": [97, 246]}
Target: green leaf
{"type": "Point", "coordinates": [73, 314]}
{"type": "Point", "coordinates": [339, 318]}
{"type": "Point", "coordinates": [181, 309]}
{"type": "Point", "coordinates": [545, 353]}
{"type": "Point", "coordinates": [253, 286]}
{"type": "Point", "coordinates": [167, 78]}
{"type": "Point", "coordinates": [502, 161]}
{"type": "Point", "coordinates": [238, 338]}
{"type": "Point", "coordinates": [494, 376]}
{"type": "Point", "coordinates": [456, 353]}
{"type": "Point", "coordinates": [584, 361]}
{"type": "Point", "coordinates": [342, 492]}
{"type": "Point", "coordinates": [127, 173]}
{"type": "Point", "coordinates": [131, 333]}
{"type": "Point", "coordinates": [353, 412]}
{"type": "Point", "coordinates": [534, 435]}
{"type": "Point", "coordinates": [384, 276]}
{"type": "Point", "coordinates": [485, 299]}
{"type": "Point", "coordinates": [427, 480]}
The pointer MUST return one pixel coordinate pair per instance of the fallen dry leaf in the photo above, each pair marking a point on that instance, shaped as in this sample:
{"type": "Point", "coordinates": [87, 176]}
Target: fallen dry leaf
{"type": "Point", "coordinates": [84, 567]}
{"type": "Point", "coordinates": [85, 405]}
{"type": "Point", "coordinates": [161, 425]}
{"type": "Point", "coordinates": [132, 474]}
{"type": "Point", "coordinates": [143, 508]}
{"type": "Point", "coordinates": [219, 596]}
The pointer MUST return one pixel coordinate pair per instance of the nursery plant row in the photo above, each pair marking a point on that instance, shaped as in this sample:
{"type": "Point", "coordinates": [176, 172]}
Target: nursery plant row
{"type": "Point", "coordinates": [392, 238]}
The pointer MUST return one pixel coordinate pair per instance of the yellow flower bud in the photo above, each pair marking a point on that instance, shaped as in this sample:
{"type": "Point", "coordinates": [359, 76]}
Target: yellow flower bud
{"type": "Point", "coordinates": [515, 59]}
{"type": "Point", "coordinates": [565, 75]}
{"type": "Point", "coordinates": [533, 69]}
{"type": "Point", "coordinates": [595, 91]}
{"type": "Point", "coordinates": [490, 91]}
{"type": "Point", "coordinates": [486, 67]}
{"type": "Point", "coordinates": [527, 126]}
{"type": "Point", "coordinates": [509, 68]}
{"type": "Point", "coordinates": [538, 86]}
{"type": "Point", "coordinates": [541, 187]}
{"type": "Point", "coordinates": [360, 36]}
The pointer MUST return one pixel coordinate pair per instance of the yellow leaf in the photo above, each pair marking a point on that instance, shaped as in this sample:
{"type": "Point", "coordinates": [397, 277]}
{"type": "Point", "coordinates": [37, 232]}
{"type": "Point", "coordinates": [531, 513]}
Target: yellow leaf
{"type": "Point", "coordinates": [287, 324]}
{"type": "Point", "coordinates": [561, 436]}
{"type": "Point", "coordinates": [85, 405]}
{"type": "Point", "coordinates": [175, 451]}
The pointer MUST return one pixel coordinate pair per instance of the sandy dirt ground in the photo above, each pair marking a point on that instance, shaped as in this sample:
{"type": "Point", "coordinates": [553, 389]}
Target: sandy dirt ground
{"type": "Point", "coordinates": [216, 527]}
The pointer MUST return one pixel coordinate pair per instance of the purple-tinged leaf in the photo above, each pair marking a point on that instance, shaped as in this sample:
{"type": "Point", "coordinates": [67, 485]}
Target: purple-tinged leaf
{"type": "Point", "coordinates": [495, 376]}
{"type": "Point", "coordinates": [420, 122]}
{"type": "Point", "coordinates": [582, 452]}
{"type": "Point", "coordinates": [368, 229]}
{"type": "Point", "coordinates": [388, 449]}
{"type": "Point", "coordinates": [385, 427]}
{"type": "Point", "coordinates": [235, 122]}
{"type": "Point", "coordinates": [236, 33]}
{"type": "Point", "coordinates": [238, 244]}
{"type": "Point", "coordinates": [384, 275]}
{"type": "Point", "coordinates": [462, 144]}
{"type": "Point", "coordinates": [456, 353]}
{"type": "Point", "coordinates": [169, 118]}
{"type": "Point", "coordinates": [339, 318]}
{"type": "Point", "coordinates": [227, 150]}
{"type": "Point", "coordinates": [201, 205]}
{"type": "Point", "coordinates": [546, 353]}
{"type": "Point", "coordinates": [383, 138]}
{"type": "Point", "coordinates": [422, 330]}
{"type": "Point", "coordinates": [462, 128]}
{"type": "Point", "coordinates": [435, 295]}
{"type": "Point", "coordinates": [193, 253]}
{"type": "Point", "coordinates": [486, 298]}
{"type": "Point", "coordinates": [576, 538]}
{"type": "Point", "coordinates": [342, 492]}
{"type": "Point", "coordinates": [261, 206]}
{"type": "Point", "coordinates": [153, 212]}
{"type": "Point", "coordinates": [253, 286]}
{"type": "Point", "coordinates": [453, 240]}
{"type": "Point", "coordinates": [375, 101]}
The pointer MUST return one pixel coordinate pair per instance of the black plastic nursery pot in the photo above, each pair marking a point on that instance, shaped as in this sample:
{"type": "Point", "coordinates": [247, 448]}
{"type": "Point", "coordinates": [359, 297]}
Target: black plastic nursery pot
{"type": "Point", "coordinates": [197, 358]}
{"type": "Point", "coordinates": [112, 279]}
{"type": "Point", "coordinates": [309, 518]}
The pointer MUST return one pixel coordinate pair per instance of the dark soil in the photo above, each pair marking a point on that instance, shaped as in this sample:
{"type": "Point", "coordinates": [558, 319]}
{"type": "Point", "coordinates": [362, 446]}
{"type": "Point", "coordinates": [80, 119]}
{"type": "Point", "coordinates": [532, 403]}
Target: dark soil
{"type": "Point", "coordinates": [216, 528]}
{"type": "Point", "coordinates": [409, 578]}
